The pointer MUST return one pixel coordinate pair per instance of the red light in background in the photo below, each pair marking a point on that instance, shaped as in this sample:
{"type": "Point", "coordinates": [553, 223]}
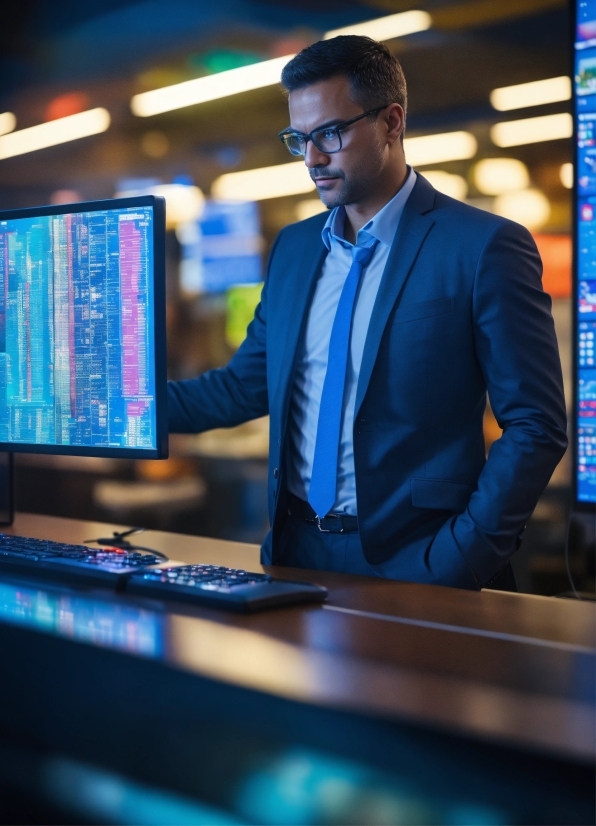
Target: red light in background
{"type": "Point", "coordinates": [65, 196]}
{"type": "Point", "coordinates": [64, 105]}
{"type": "Point", "coordinates": [555, 251]}
{"type": "Point", "coordinates": [288, 45]}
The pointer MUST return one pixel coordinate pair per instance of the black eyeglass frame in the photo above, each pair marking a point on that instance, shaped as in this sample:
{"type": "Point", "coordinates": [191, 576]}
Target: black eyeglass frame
{"type": "Point", "coordinates": [338, 128]}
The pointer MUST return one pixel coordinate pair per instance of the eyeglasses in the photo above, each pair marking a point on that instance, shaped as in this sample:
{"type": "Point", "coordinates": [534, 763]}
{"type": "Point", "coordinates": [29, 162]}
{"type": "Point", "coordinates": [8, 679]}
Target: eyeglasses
{"type": "Point", "coordinates": [327, 139]}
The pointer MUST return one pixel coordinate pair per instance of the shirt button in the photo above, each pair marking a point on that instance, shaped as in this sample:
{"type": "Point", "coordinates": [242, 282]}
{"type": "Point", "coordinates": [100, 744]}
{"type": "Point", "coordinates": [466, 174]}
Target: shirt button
{"type": "Point", "coordinates": [275, 473]}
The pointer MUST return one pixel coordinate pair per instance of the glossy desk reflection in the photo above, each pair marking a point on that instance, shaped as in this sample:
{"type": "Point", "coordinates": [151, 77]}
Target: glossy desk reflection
{"type": "Point", "coordinates": [506, 668]}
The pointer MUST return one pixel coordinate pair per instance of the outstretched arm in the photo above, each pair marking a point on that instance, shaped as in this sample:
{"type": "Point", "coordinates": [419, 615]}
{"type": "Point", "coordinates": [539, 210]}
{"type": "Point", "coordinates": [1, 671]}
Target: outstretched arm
{"type": "Point", "coordinates": [517, 350]}
{"type": "Point", "coordinates": [229, 395]}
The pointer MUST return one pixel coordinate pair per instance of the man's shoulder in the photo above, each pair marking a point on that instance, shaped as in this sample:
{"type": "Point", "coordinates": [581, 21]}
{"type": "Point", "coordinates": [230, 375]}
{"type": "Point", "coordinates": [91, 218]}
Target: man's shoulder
{"type": "Point", "coordinates": [472, 221]}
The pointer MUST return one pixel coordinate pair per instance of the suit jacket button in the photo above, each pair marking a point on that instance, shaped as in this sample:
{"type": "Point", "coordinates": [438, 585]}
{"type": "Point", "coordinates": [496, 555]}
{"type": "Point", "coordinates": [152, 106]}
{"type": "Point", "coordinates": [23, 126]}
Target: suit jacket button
{"type": "Point", "coordinates": [275, 473]}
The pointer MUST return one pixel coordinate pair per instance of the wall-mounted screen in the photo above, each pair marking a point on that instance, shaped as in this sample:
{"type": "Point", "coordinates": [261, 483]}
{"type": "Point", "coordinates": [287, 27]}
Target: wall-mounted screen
{"type": "Point", "coordinates": [585, 248]}
{"type": "Point", "coordinates": [222, 248]}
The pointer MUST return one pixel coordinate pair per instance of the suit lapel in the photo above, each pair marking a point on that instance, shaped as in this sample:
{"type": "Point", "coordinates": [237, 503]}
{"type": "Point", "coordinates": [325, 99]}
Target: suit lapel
{"type": "Point", "coordinates": [413, 228]}
{"type": "Point", "coordinates": [301, 276]}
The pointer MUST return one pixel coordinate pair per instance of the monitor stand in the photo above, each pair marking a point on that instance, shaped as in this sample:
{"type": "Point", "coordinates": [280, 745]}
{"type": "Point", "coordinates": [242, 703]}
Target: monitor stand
{"type": "Point", "coordinates": [6, 489]}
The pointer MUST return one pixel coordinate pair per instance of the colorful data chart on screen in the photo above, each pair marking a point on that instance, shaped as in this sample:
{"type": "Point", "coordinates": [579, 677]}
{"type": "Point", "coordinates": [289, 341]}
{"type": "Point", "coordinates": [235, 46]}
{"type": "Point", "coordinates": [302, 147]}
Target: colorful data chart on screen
{"type": "Point", "coordinates": [76, 330]}
{"type": "Point", "coordinates": [585, 114]}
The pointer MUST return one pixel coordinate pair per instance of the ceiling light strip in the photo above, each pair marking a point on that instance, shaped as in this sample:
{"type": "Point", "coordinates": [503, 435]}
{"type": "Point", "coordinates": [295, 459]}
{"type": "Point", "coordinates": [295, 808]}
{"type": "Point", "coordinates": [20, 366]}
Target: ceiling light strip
{"type": "Point", "coordinates": [535, 93]}
{"type": "Point", "coordinates": [260, 184]}
{"type": "Point", "coordinates": [532, 130]}
{"type": "Point", "coordinates": [266, 72]}
{"type": "Point", "coordinates": [389, 27]}
{"type": "Point", "coordinates": [54, 132]}
{"type": "Point", "coordinates": [212, 87]}
{"type": "Point", "coordinates": [431, 149]}
{"type": "Point", "coordinates": [8, 122]}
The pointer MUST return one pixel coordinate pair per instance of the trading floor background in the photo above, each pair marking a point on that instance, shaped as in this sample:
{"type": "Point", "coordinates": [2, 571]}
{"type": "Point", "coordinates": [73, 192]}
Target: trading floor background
{"type": "Point", "coordinates": [87, 77]}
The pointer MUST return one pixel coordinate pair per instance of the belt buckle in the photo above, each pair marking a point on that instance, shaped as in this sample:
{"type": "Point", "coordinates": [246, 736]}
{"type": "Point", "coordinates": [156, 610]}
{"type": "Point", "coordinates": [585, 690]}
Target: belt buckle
{"type": "Point", "coordinates": [330, 516]}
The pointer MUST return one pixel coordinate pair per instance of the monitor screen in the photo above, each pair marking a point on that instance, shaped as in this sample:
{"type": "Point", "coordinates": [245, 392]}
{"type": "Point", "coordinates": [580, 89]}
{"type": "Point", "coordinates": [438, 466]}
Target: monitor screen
{"type": "Point", "coordinates": [585, 252]}
{"type": "Point", "coordinates": [82, 329]}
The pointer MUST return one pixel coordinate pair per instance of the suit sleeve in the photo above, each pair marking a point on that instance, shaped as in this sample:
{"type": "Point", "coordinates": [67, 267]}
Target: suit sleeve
{"type": "Point", "coordinates": [229, 395]}
{"type": "Point", "coordinates": [518, 353]}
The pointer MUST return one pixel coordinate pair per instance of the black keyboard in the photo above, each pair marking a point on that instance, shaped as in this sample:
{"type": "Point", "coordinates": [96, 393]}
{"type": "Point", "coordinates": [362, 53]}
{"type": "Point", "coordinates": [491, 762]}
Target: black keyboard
{"type": "Point", "coordinates": [136, 573]}
{"type": "Point", "coordinates": [70, 563]}
{"type": "Point", "coordinates": [220, 587]}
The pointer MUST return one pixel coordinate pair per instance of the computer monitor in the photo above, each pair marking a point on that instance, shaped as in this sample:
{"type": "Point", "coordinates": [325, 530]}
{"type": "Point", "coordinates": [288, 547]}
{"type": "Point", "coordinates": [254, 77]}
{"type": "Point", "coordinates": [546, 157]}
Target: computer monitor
{"type": "Point", "coordinates": [584, 292]}
{"type": "Point", "coordinates": [82, 329]}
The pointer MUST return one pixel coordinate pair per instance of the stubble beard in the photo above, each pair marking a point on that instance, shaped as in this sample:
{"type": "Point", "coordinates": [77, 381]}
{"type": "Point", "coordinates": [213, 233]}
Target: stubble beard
{"type": "Point", "coordinates": [350, 192]}
{"type": "Point", "coordinates": [358, 187]}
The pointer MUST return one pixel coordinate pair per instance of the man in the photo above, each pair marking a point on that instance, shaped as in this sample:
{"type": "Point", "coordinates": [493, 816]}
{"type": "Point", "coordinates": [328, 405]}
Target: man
{"type": "Point", "coordinates": [381, 327]}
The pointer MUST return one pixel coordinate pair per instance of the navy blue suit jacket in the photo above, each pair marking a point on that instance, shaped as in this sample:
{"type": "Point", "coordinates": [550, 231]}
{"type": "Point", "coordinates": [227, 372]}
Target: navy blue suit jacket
{"type": "Point", "coordinates": [460, 311]}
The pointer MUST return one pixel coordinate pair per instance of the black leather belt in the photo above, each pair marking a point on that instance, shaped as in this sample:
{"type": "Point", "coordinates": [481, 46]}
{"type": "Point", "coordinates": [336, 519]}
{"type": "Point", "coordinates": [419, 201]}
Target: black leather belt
{"type": "Point", "coordinates": [332, 523]}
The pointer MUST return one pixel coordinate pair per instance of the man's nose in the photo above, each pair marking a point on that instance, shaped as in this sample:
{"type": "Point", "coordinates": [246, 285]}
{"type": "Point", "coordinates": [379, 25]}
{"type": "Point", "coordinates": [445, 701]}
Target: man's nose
{"type": "Point", "coordinates": [314, 157]}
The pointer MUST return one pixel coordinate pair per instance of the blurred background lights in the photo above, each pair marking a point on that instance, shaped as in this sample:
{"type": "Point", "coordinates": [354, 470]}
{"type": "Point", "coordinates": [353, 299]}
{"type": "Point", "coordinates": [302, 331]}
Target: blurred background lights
{"type": "Point", "coordinates": [65, 196]}
{"type": "Point", "coordinates": [54, 132]}
{"type": "Point", "coordinates": [494, 176]}
{"type": "Point", "coordinates": [222, 60]}
{"type": "Point", "coordinates": [532, 130]}
{"type": "Point", "coordinates": [387, 28]}
{"type": "Point", "coordinates": [64, 105]}
{"type": "Point", "coordinates": [566, 175]}
{"type": "Point", "coordinates": [308, 208]}
{"type": "Point", "coordinates": [184, 203]}
{"type": "Point", "coordinates": [155, 144]}
{"type": "Point", "coordinates": [224, 82]}
{"type": "Point", "coordinates": [453, 185]}
{"type": "Point", "coordinates": [449, 146]}
{"type": "Point", "coordinates": [228, 156]}
{"type": "Point", "coordinates": [260, 184]}
{"type": "Point", "coordinates": [536, 93]}
{"type": "Point", "coordinates": [8, 122]}
{"type": "Point", "coordinates": [529, 207]}
{"type": "Point", "coordinates": [212, 87]}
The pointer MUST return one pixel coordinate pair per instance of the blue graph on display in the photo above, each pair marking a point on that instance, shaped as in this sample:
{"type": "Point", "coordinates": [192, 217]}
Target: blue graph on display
{"type": "Point", "coordinates": [76, 330]}
{"type": "Point", "coordinates": [585, 113]}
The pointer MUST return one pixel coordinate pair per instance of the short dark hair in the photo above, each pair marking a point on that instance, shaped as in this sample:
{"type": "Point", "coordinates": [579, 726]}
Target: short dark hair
{"type": "Point", "coordinates": [375, 75]}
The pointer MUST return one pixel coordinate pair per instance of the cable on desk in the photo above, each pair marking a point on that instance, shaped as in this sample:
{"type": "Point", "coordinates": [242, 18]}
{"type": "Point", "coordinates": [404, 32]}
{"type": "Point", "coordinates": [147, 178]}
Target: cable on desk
{"type": "Point", "coordinates": [118, 540]}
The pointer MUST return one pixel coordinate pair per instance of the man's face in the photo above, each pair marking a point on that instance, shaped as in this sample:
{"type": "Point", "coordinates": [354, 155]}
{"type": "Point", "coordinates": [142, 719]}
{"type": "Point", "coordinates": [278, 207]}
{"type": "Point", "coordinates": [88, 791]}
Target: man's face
{"type": "Point", "coordinates": [352, 174]}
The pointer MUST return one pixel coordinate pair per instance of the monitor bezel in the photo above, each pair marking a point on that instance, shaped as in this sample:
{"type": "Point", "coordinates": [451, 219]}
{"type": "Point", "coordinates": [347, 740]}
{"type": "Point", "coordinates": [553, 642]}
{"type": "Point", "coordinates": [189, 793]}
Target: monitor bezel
{"type": "Point", "coordinates": [579, 505]}
{"type": "Point", "coordinates": [159, 321]}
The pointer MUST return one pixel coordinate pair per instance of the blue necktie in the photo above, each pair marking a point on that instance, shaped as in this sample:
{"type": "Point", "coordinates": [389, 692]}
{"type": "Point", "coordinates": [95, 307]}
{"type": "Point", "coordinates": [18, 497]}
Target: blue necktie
{"type": "Point", "coordinates": [323, 483]}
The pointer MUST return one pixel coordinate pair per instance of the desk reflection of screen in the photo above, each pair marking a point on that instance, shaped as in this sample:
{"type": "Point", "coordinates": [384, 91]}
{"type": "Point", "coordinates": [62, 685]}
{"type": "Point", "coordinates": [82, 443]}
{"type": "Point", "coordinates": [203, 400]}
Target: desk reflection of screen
{"type": "Point", "coordinates": [84, 619]}
{"type": "Point", "coordinates": [77, 328]}
{"type": "Point", "coordinates": [585, 296]}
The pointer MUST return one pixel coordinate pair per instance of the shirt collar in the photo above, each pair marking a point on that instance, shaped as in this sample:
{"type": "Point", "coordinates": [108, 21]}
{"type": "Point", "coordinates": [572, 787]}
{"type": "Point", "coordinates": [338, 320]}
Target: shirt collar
{"type": "Point", "coordinates": [381, 227]}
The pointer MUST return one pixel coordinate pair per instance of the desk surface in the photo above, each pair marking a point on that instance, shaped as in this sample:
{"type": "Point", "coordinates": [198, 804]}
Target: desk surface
{"type": "Point", "coordinates": [509, 668]}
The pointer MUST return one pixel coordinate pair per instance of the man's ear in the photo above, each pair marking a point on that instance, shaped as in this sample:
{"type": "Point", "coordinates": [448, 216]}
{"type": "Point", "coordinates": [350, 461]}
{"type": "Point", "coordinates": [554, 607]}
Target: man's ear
{"type": "Point", "coordinates": [395, 120]}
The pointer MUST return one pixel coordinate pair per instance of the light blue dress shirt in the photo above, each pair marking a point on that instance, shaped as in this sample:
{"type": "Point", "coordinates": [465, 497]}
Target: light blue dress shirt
{"type": "Point", "coordinates": [312, 358]}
